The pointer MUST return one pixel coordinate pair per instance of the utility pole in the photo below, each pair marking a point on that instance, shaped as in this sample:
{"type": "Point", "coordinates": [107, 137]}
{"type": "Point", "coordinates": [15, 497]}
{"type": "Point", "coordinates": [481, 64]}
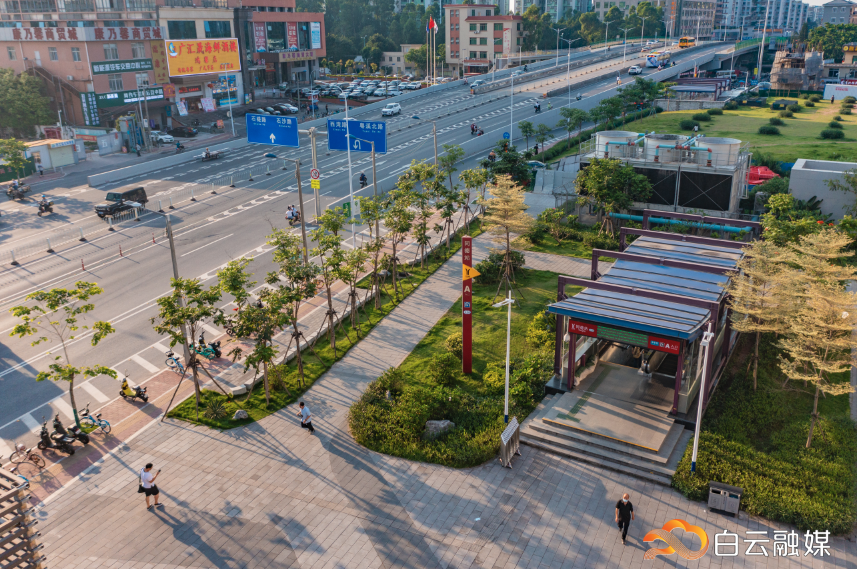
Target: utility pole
{"type": "Point", "coordinates": [176, 276]}
{"type": "Point", "coordinates": [301, 206]}
{"type": "Point", "coordinates": [434, 134]}
{"type": "Point", "coordinates": [762, 45]}
{"type": "Point", "coordinates": [375, 184]}
{"type": "Point", "coordinates": [350, 174]}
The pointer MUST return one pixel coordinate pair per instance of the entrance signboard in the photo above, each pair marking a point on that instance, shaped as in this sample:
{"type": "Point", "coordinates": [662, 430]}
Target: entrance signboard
{"type": "Point", "coordinates": [624, 337]}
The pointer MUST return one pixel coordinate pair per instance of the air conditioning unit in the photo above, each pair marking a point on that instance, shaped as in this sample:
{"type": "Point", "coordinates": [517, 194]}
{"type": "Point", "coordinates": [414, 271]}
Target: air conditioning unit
{"type": "Point", "coordinates": [70, 77]}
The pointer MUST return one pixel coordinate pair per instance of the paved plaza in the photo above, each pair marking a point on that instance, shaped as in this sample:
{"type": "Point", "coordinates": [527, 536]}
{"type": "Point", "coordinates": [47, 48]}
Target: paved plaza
{"type": "Point", "coordinates": [270, 495]}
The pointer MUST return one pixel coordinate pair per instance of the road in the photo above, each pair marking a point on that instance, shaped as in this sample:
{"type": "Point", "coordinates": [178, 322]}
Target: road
{"type": "Point", "coordinates": [217, 228]}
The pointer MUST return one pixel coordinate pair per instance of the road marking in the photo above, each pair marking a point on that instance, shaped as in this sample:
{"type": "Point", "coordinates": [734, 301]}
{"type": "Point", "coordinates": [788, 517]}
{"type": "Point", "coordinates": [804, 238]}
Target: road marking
{"type": "Point", "coordinates": [30, 422]}
{"type": "Point", "coordinates": [63, 407]}
{"type": "Point", "coordinates": [144, 363]}
{"type": "Point", "coordinates": [211, 329]}
{"type": "Point", "coordinates": [95, 392]}
{"type": "Point", "coordinates": [207, 244]}
{"type": "Point", "coordinates": [5, 451]}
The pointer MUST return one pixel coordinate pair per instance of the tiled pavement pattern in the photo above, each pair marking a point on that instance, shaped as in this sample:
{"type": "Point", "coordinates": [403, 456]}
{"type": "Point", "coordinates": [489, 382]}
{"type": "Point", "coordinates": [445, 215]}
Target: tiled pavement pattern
{"type": "Point", "coordinates": [272, 495]}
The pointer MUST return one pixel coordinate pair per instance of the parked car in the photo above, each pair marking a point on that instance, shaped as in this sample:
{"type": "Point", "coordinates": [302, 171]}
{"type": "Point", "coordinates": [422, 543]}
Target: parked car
{"type": "Point", "coordinates": [161, 137]}
{"type": "Point", "coordinates": [416, 85]}
{"type": "Point", "coordinates": [286, 108]}
{"type": "Point", "coordinates": [391, 109]}
{"type": "Point", "coordinates": [380, 92]}
{"type": "Point", "coordinates": [183, 132]}
{"type": "Point", "coordinates": [116, 202]}
{"type": "Point", "coordinates": [635, 70]}
{"type": "Point", "coordinates": [393, 92]}
{"type": "Point", "coordinates": [272, 110]}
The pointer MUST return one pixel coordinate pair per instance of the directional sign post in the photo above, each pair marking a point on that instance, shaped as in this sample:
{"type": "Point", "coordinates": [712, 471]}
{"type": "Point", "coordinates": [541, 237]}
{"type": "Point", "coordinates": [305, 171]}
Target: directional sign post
{"type": "Point", "coordinates": [272, 130]}
{"type": "Point", "coordinates": [338, 131]}
{"type": "Point", "coordinates": [467, 274]}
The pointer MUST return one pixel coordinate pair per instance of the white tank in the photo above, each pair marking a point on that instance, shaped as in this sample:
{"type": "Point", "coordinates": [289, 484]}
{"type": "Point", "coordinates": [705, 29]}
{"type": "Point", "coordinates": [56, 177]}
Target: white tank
{"type": "Point", "coordinates": [604, 150]}
{"type": "Point", "coordinates": [664, 154]}
{"type": "Point", "coordinates": [723, 150]}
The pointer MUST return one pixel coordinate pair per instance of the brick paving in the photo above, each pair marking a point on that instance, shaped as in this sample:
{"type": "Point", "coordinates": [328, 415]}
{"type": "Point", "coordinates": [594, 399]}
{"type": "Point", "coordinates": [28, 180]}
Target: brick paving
{"type": "Point", "coordinates": [272, 495]}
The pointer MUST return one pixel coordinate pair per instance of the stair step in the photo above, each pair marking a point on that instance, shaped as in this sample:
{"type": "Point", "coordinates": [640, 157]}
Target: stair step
{"type": "Point", "coordinates": [596, 461]}
{"type": "Point", "coordinates": [618, 459]}
{"type": "Point", "coordinates": [685, 438]}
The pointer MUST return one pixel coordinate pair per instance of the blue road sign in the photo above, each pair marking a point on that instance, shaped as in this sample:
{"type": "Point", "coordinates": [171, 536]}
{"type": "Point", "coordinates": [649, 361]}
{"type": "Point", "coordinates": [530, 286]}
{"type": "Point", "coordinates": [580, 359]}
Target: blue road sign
{"type": "Point", "coordinates": [506, 135]}
{"type": "Point", "coordinates": [272, 130]}
{"type": "Point", "coordinates": [375, 131]}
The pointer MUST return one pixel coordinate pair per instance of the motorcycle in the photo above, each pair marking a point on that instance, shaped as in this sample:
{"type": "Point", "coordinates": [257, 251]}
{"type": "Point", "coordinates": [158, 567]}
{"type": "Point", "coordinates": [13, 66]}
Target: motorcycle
{"type": "Point", "coordinates": [194, 122]}
{"type": "Point", "coordinates": [579, 97]}
{"type": "Point", "coordinates": [363, 182]}
{"type": "Point", "coordinates": [55, 440]}
{"type": "Point", "coordinates": [538, 108]}
{"type": "Point", "coordinates": [211, 156]}
{"type": "Point", "coordinates": [45, 207]}
{"type": "Point", "coordinates": [73, 431]}
{"type": "Point", "coordinates": [296, 219]}
{"type": "Point", "coordinates": [135, 392]}
{"type": "Point", "coordinates": [17, 193]}
{"type": "Point", "coordinates": [474, 131]}
{"type": "Point", "coordinates": [212, 348]}
{"type": "Point", "coordinates": [179, 148]}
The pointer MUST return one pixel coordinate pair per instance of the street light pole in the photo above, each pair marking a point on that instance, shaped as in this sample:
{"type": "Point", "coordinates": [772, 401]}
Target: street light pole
{"type": "Point", "coordinates": [350, 181]}
{"type": "Point", "coordinates": [558, 34]}
{"type": "Point", "coordinates": [434, 135]}
{"type": "Point", "coordinates": [706, 340]}
{"type": "Point", "coordinates": [508, 302]}
{"type": "Point", "coordinates": [374, 178]}
{"type": "Point", "coordinates": [176, 276]}
{"type": "Point", "coordinates": [624, 44]}
{"type": "Point", "coordinates": [511, 109]}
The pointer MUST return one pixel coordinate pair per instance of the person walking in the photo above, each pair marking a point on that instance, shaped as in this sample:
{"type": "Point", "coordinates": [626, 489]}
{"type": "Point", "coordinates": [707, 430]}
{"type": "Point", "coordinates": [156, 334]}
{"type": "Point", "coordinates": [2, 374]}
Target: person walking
{"type": "Point", "coordinates": [148, 486]}
{"type": "Point", "coordinates": [41, 170]}
{"type": "Point", "coordinates": [138, 149]}
{"type": "Point", "coordinates": [306, 418]}
{"type": "Point", "coordinates": [624, 515]}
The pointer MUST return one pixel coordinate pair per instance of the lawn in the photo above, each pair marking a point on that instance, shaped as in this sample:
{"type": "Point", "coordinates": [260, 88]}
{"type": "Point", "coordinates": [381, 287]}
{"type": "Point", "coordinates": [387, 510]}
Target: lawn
{"type": "Point", "coordinates": [756, 440]}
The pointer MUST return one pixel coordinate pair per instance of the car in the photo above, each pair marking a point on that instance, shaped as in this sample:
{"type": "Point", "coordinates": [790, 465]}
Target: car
{"type": "Point", "coordinates": [416, 85]}
{"type": "Point", "coordinates": [393, 92]}
{"type": "Point", "coordinates": [183, 132]}
{"type": "Point", "coordinates": [272, 110]}
{"type": "Point", "coordinates": [286, 108]}
{"type": "Point", "coordinates": [161, 137]}
{"type": "Point", "coordinates": [380, 92]}
{"type": "Point", "coordinates": [516, 73]}
{"type": "Point", "coordinates": [635, 70]}
{"type": "Point", "coordinates": [391, 109]}
{"type": "Point", "coordinates": [477, 83]}
{"type": "Point", "coordinates": [536, 165]}
{"type": "Point", "coordinates": [116, 202]}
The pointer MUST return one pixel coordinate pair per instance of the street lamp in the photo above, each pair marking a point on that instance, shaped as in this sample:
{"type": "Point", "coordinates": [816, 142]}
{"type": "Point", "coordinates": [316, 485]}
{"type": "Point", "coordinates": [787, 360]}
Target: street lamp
{"type": "Point", "coordinates": [643, 32]}
{"type": "Point", "coordinates": [624, 44]}
{"type": "Point", "coordinates": [374, 180]}
{"type": "Point", "coordinates": [508, 302]}
{"type": "Point", "coordinates": [607, 27]}
{"type": "Point", "coordinates": [300, 199]}
{"type": "Point", "coordinates": [568, 69]}
{"type": "Point", "coordinates": [350, 174]}
{"type": "Point", "coordinates": [706, 340]}
{"type": "Point", "coordinates": [558, 35]}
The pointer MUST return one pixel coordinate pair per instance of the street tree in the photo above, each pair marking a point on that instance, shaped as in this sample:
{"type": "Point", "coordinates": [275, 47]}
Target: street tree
{"type": "Point", "coordinates": [572, 119]}
{"type": "Point", "coordinates": [398, 218]}
{"type": "Point", "coordinates": [372, 210]}
{"type": "Point", "coordinates": [452, 154]}
{"type": "Point", "coordinates": [55, 315]}
{"type": "Point", "coordinates": [234, 280]}
{"type": "Point", "coordinates": [330, 259]}
{"type": "Point", "coordinates": [509, 162]}
{"type": "Point", "coordinates": [349, 271]}
{"type": "Point", "coordinates": [12, 153]}
{"type": "Point", "coordinates": [527, 130]}
{"type": "Point", "coordinates": [542, 133]}
{"type": "Point", "coordinates": [612, 186]}
{"type": "Point", "coordinates": [609, 108]}
{"type": "Point", "coordinates": [23, 104]}
{"type": "Point", "coordinates": [505, 214]}
{"type": "Point", "coordinates": [475, 179]}
{"type": "Point", "coordinates": [425, 182]}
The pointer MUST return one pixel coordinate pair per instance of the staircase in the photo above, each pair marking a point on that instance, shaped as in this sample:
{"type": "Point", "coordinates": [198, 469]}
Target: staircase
{"type": "Point", "coordinates": [565, 440]}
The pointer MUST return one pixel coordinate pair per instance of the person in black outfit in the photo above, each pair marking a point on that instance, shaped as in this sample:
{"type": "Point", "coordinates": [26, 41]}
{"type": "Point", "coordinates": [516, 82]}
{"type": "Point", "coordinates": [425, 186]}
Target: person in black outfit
{"type": "Point", "coordinates": [624, 515]}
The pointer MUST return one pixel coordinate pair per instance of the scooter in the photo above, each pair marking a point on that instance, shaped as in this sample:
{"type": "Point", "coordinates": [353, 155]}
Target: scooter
{"type": "Point", "coordinates": [135, 392]}
{"type": "Point", "coordinates": [45, 207]}
{"type": "Point", "coordinates": [73, 431]}
{"type": "Point", "coordinates": [296, 219]}
{"type": "Point", "coordinates": [364, 182]}
{"type": "Point", "coordinates": [212, 347]}
{"type": "Point", "coordinates": [17, 193]}
{"type": "Point", "coordinates": [579, 97]}
{"type": "Point", "coordinates": [538, 108]}
{"type": "Point", "coordinates": [56, 441]}
{"type": "Point", "coordinates": [179, 148]}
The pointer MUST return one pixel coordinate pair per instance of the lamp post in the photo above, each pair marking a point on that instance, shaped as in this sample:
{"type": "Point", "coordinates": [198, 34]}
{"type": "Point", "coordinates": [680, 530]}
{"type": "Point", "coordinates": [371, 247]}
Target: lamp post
{"type": "Point", "coordinates": [508, 302]}
{"type": "Point", "coordinates": [624, 44]}
{"type": "Point", "coordinates": [705, 342]}
{"type": "Point", "coordinates": [568, 68]}
{"type": "Point", "coordinates": [607, 27]}
{"type": "Point", "coordinates": [762, 45]}
{"type": "Point", "coordinates": [558, 35]}
{"type": "Point", "coordinates": [350, 181]}
{"type": "Point", "coordinates": [643, 31]}
{"type": "Point", "coordinates": [300, 199]}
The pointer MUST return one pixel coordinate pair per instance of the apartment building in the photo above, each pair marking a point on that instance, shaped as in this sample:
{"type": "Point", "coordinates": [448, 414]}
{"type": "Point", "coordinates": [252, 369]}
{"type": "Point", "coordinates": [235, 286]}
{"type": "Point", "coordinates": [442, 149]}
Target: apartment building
{"type": "Point", "coordinates": [746, 18]}
{"type": "Point", "coordinates": [693, 18]}
{"type": "Point", "coordinates": [476, 35]}
{"type": "Point", "coordinates": [837, 12]}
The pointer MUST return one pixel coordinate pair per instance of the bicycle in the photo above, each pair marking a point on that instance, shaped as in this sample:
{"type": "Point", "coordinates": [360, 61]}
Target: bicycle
{"type": "Point", "coordinates": [173, 363]}
{"type": "Point", "coordinates": [91, 423]}
{"type": "Point", "coordinates": [23, 454]}
{"type": "Point", "coordinates": [26, 483]}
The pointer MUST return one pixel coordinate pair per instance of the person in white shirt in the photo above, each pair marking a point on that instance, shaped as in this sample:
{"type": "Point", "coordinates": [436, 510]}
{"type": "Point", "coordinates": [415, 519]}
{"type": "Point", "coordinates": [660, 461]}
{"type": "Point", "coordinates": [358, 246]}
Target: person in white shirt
{"type": "Point", "coordinates": [147, 481]}
{"type": "Point", "coordinates": [306, 418]}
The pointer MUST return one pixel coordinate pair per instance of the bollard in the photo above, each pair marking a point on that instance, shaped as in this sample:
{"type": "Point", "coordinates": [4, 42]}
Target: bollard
{"type": "Point", "coordinates": [160, 209]}
{"type": "Point", "coordinates": [110, 224]}
{"type": "Point", "coordinates": [82, 267]}
{"type": "Point", "coordinates": [50, 249]}
{"type": "Point", "coordinates": [120, 251]}
{"type": "Point", "coordinates": [267, 173]}
{"type": "Point", "coordinates": [153, 237]}
{"type": "Point", "coordinates": [82, 238]}
{"type": "Point", "coordinates": [231, 181]}
{"type": "Point", "coordinates": [250, 179]}
{"type": "Point", "coordinates": [193, 199]}
{"type": "Point", "coordinates": [171, 203]}
{"type": "Point", "coordinates": [136, 214]}
{"type": "Point", "coordinates": [14, 262]}
{"type": "Point", "coordinates": [213, 191]}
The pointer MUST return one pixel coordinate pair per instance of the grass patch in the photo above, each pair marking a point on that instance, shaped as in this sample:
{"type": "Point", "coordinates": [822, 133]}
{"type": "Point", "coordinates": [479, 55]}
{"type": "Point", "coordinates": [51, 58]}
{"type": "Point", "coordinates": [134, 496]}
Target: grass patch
{"type": "Point", "coordinates": [756, 439]}
{"type": "Point", "coordinates": [568, 247]}
{"type": "Point", "coordinates": [314, 365]}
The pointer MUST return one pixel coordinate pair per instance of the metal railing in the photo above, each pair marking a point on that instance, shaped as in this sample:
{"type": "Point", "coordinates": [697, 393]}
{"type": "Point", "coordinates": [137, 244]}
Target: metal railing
{"type": "Point", "coordinates": [698, 154]}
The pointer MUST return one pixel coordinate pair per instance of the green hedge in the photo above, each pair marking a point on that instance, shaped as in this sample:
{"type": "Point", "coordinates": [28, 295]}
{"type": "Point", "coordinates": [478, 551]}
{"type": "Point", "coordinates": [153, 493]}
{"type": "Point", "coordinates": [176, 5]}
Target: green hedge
{"type": "Point", "coordinates": [786, 114]}
{"type": "Point", "coordinates": [701, 117]}
{"type": "Point", "coordinates": [714, 111]}
{"type": "Point", "coordinates": [832, 134]}
{"type": "Point", "coordinates": [688, 124]}
{"type": "Point", "coordinates": [794, 108]}
{"type": "Point", "coordinates": [777, 122]}
{"type": "Point", "coordinates": [768, 129]}
{"type": "Point", "coordinates": [835, 124]}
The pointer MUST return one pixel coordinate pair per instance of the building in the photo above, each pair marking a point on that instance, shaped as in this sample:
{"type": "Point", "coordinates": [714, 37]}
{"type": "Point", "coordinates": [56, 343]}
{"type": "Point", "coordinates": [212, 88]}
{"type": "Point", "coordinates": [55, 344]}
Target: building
{"type": "Point", "coordinates": [809, 179]}
{"type": "Point", "coordinates": [395, 62]}
{"type": "Point", "coordinates": [744, 19]}
{"type": "Point", "coordinates": [815, 13]}
{"type": "Point", "coordinates": [695, 19]}
{"type": "Point", "coordinates": [836, 12]}
{"type": "Point", "coordinates": [797, 71]}
{"type": "Point", "coordinates": [476, 35]}
{"type": "Point", "coordinates": [845, 72]}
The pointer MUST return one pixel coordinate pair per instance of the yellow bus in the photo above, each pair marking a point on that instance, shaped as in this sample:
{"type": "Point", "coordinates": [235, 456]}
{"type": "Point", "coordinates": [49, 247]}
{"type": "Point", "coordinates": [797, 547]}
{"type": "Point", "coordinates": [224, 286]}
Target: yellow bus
{"type": "Point", "coordinates": [686, 42]}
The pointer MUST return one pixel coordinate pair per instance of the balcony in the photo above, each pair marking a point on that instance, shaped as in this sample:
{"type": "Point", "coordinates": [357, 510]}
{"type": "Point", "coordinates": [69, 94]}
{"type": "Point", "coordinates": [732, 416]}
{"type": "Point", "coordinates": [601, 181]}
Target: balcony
{"type": "Point", "coordinates": [140, 5]}
{"type": "Point", "coordinates": [66, 6]}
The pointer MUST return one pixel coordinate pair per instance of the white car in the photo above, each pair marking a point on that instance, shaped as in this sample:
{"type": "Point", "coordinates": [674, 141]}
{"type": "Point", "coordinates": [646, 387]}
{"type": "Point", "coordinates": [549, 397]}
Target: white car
{"type": "Point", "coordinates": [162, 137]}
{"type": "Point", "coordinates": [477, 83]}
{"type": "Point", "coordinates": [391, 109]}
{"type": "Point", "coordinates": [393, 92]}
{"type": "Point", "coordinates": [635, 70]}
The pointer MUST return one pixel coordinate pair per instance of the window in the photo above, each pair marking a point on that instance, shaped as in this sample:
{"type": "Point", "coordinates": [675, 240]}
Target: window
{"type": "Point", "coordinates": [472, 27]}
{"type": "Point", "coordinates": [114, 24]}
{"type": "Point", "coordinates": [483, 41]}
{"type": "Point", "coordinates": [52, 54]}
{"type": "Point", "coordinates": [483, 55]}
{"type": "Point", "coordinates": [144, 23]}
{"type": "Point", "coordinates": [498, 41]}
{"type": "Point", "coordinates": [472, 41]}
{"type": "Point", "coordinates": [142, 79]}
{"type": "Point", "coordinates": [11, 52]}
{"type": "Point", "coordinates": [75, 54]}
{"type": "Point", "coordinates": [498, 27]}
{"type": "Point", "coordinates": [483, 27]}
{"type": "Point", "coordinates": [182, 30]}
{"type": "Point", "coordinates": [110, 51]}
{"type": "Point", "coordinates": [487, 12]}
{"type": "Point", "coordinates": [519, 26]}
{"type": "Point", "coordinates": [115, 80]}
{"type": "Point", "coordinates": [398, 58]}
{"type": "Point", "coordinates": [472, 55]}
{"type": "Point", "coordinates": [472, 12]}
{"type": "Point", "coordinates": [138, 50]}
{"type": "Point", "coordinates": [218, 30]}
{"type": "Point", "coordinates": [456, 27]}
{"type": "Point", "coordinates": [519, 41]}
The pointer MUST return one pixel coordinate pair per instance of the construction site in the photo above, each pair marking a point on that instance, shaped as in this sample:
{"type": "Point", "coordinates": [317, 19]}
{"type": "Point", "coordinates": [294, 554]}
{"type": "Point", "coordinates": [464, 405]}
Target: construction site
{"type": "Point", "coordinates": [796, 69]}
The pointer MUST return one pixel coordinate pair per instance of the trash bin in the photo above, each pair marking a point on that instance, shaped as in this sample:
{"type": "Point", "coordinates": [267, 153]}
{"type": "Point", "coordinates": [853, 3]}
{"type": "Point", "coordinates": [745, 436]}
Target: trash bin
{"type": "Point", "coordinates": [724, 497]}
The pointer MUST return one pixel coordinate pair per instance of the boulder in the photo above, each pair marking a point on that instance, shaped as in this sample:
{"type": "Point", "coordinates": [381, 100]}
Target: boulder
{"type": "Point", "coordinates": [436, 428]}
{"type": "Point", "coordinates": [240, 414]}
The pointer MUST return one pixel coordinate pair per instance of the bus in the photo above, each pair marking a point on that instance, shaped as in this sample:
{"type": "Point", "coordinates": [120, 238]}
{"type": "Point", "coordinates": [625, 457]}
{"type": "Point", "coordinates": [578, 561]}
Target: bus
{"type": "Point", "coordinates": [686, 41]}
{"type": "Point", "coordinates": [733, 76]}
{"type": "Point", "coordinates": [658, 58]}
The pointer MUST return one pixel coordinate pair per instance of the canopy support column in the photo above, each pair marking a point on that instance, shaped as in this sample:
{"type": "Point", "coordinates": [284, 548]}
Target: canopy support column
{"type": "Point", "coordinates": [678, 375]}
{"type": "Point", "coordinates": [572, 360]}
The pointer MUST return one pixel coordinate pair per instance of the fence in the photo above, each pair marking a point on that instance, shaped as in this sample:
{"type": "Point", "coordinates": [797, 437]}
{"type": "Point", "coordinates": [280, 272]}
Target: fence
{"type": "Point", "coordinates": [18, 536]}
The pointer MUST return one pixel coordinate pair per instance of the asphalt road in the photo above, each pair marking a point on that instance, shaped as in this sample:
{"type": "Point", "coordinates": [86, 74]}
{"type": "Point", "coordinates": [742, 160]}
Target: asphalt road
{"type": "Point", "coordinates": [209, 232]}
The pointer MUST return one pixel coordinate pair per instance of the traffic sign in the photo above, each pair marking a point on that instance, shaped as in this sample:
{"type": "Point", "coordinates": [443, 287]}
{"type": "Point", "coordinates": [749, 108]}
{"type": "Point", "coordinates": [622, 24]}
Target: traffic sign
{"type": "Point", "coordinates": [338, 131]}
{"type": "Point", "coordinates": [272, 130]}
{"type": "Point", "coordinates": [315, 184]}
{"type": "Point", "coordinates": [506, 135]}
{"type": "Point", "coordinates": [314, 174]}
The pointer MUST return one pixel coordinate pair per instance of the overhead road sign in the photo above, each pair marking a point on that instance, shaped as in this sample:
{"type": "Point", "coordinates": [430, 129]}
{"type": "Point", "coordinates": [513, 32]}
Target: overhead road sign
{"type": "Point", "coordinates": [273, 130]}
{"type": "Point", "coordinates": [374, 131]}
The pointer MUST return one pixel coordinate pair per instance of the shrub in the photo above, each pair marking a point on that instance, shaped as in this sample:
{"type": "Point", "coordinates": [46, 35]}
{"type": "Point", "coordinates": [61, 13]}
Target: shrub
{"type": "Point", "coordinates": [838, 118]}
{"type": "Point", "coordinates": [834, 124]}
{"type": "Point", "coordinates": [804, 96]}
{"type": "Point", "coordinates": [688, 124]}
{"type": "Point", "coordinates": [815, 98]}
{"type": "Point", "coordinates": [794, 108]}
{"type": "Point", "coordinates": [444, 369]}
{"type": "Point", "coordinates": [215, 409]}
{"type": "Point", "coordinates": [768, 129]}
{"type": "Point", "coordinates": [845, 111]}
{"type": "Point", "coordinates": [730, 106]}
{"type": "Point", "coordinates": [832, 133]}
{"type": "Point", "coordinates": [701, 117]}
{"type": "Point", "coordinates": [777, 122]}
{"type": "Point", "coordinates": [455, 344]}
{"type": "Point", "coordinates": [540, 333]}
{"type": "Point", "coordinates": [786, 114]}
{"type": "Point", "coordinates": [714, 111]}
{"type": "Point", "coordinates": [602, 241]}
{"type": "Point", "coordinates": [847, 105]}
{"type": "Point", "coordinates": [809, 104]}
{"type": "Point", "coordinates": [850, 99]}
{"type": "Point", "coordinates": [490, 268]}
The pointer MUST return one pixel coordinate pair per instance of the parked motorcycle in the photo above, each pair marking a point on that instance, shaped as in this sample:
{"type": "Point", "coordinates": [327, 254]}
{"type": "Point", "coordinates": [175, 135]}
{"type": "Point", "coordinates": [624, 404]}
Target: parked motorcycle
{"type": "Point", "coordinates": [56, 441]}
{"type": "Point", "coordinates": [73, 431]}
{"type": "Point", "coordinates": [211, 347]}
{"type": "Point", "coordinates": [135, 392]}
{"type": "Point", "coordinates": [45, 207]}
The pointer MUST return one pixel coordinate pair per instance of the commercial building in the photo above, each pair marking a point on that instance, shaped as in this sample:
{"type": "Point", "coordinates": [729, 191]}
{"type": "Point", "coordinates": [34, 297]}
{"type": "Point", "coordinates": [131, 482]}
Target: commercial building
{"type": "Point", "coordinates": [693, 18]}
{"type": "Point", "coordinates": [476, 35]}
{"type": "Point", "coordinates": [845, 72]}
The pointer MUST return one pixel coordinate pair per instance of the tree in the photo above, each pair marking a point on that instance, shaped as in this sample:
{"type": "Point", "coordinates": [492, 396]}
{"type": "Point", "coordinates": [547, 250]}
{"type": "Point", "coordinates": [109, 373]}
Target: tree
{"type": "Point", "coordinates": [831, 38]}
{"type": "Point", "coordinates": [848, 185]}
{"type": "Point", "coordinates": [783, 223]}
{"type": "Point", "coordinates": [474, 179]}
{"type": "Point", "coordinates": [398, 218]}
{"type": "Point", "coordinates": [609, 108]}
{"type": "Point", "coordinates": [505, 214]}
{"type": "Point", "coordinates": [612, 186]}
{"type": "Point", "coordinates": [820, 341]}
{"type": "Point", "coordinates": [446, 200]}
{"type": "Point", "coordinates": [372, 212]}
{"type": "Point", "coordinates": [509, 162]}
{"type": "Point", "coordinates": [542, 133]}
{"type": "Point", "coordinates": [330, 259]}
{"type": "Point", "coordinates": [535, 24]}
{"type": "Point", "coordinates": [419, 57]}
{"type": "Point", "coordinates": [756, 293]}
{"type": "Point", "coordinates": [234, 280]}
{"type": "Point", "coordinates": [572, 119]}
{"type": "Point", "coordinates": [349, 272]}
{"type": "Point", "coordinates": [24, 106]}
{"type": "Point", "coordinates": [56, 313]}
{"type": "Point", "coordinates": [12, 153]}
{"type": "Point", "coordinates": [527, 130]}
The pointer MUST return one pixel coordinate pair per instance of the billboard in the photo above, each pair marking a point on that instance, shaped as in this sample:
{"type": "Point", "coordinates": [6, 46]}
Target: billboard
{"type": "Point", "coordinates": [292, 35]}
{"type": "Point", "coordinates": [315, 34]}
{"type": "Point", "coordinates": [260, 37]}
{"type": "Point", "coordinates": [159, 62]}
{"type": "Point", "coordinates": [198, 57]}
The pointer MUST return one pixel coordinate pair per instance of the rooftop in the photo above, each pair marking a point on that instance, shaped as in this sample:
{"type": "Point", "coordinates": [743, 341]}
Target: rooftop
{"type": "Point", "coordinates": [44, 142]}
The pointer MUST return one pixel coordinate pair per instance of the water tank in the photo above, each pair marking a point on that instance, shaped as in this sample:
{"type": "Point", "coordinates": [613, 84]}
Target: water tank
{"type": "Point", "coordinates": [724, 151]}
{"type": "Point", "coordinates": [664, 154]}
{"type": "Point", "coordinates": [604, 150]}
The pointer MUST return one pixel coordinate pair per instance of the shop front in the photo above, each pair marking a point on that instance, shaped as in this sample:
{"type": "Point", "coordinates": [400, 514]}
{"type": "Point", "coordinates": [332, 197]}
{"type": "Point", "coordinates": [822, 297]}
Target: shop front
{"type": "Point", "coordinates": [224, 90]}
{"type": "Point", "coordinates": [52, 153]}
{"type": "Point", "coordinates": [191, 96]}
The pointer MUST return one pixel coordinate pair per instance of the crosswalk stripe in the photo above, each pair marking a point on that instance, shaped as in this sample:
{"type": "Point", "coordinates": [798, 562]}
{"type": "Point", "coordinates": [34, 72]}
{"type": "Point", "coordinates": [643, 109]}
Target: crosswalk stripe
{"type": "Point", "coordinates": [144, 363]}
{"type": "Point", "coordinates": [63, 408]}
{"type": "Point", "coordinates": [5, 451]}
{"type": "Point", "coordinates": [211, 329]}
{"type": "Point", "coordinates": [94, 392]}
{"type": "Point", "coordinates": [30, 422]}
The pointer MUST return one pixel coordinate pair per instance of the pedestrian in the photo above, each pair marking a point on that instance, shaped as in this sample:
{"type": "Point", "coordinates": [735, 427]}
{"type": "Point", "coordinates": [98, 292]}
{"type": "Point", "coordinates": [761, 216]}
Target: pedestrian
{"type": "Point", "coordinates": [138, 149]}
{"type": "Point", "coordinates": [618, 80]}
{"type": "Point", "coordinates": [41, 170]}
{"type": "Point", "coordinates": [832, 98]}
{"type": "Point", "coordinates": [148, 486]}
{"type": "Point", "coordinates": [624, 515]}
{"type": "Point", "coordinates": [306, 418]}
{"type": "Point", "coordinates": [696, 128]}
{"type": "Point", "coordinates": [326, 109]}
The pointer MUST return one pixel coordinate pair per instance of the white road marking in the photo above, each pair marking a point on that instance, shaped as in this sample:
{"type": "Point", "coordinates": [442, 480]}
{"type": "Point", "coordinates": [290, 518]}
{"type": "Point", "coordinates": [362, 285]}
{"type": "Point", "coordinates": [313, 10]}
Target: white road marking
{"type": "Point", "coordinates": [94, 392]}
{"type": "Point", "coordinates": [30, 422]}
{"type": "Point", "coordinates": [211, 329]}
{"type": "Point", "coordinates": [207, 244]}
{"type": "Point", "coordinates": [5, 451]}
{"type": "Point", "coordinates": [63, 407]}
{"type": "Point", "coordinates": [144, 364]}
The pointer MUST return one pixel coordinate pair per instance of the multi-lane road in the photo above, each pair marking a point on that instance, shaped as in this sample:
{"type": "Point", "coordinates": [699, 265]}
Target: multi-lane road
{"type": "Point", "coordinates": [217, 228]}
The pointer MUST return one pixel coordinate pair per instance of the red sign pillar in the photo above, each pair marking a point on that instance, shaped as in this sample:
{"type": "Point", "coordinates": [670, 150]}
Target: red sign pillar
{"type": "Point", "coordinates": [467, 305]}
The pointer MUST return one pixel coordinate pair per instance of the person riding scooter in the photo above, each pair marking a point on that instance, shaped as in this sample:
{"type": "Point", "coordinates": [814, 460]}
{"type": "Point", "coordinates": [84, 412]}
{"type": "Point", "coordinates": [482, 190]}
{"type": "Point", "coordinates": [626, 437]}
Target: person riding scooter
{"type": "Point", "coordinates": [207, 153]}
{"type": "Point", "coordinates": [363, 180]}
{"type": "Point", "coordinates": [45, 205]}
{"type": "Point", "coordinates": [473, 128]}
{"type": "Point", "coordinates": [538, 107]}
{"type": "Point", "coordinates": [480, 133]}
{"type": "Point", "coordinates": [491, 156]}
{"type": "Point", "coordinates": [579, 96]}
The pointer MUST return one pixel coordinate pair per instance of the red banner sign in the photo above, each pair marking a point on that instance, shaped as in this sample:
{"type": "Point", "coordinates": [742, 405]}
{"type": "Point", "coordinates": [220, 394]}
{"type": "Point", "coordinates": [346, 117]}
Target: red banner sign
{"type": "Point", "coordinates": [260, 36]}
{"type": "Point", "coordinates": [292, 35]}
{"type": "Point", "coordinates": [467, 307]}
{"type": "Point", "coordinates": [664, 345]}
{"type": "Point", "coordinates": [624, 337]}
{"type": "Point", "coordinates": [583, 329]}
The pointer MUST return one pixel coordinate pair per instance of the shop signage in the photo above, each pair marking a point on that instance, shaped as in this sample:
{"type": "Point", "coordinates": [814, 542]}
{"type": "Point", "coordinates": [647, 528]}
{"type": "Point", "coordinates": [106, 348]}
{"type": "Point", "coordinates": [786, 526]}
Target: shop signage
{"type": "Point", "coordinates": [182, 107]}
{"type": "Point", "coordinates": [296, 55]}
{"type": "Point", "coordinates": [169, 90]}
{"type": "Point", "coordinates": [120, 98]}
{"type": "Point", "coordinates": [192, 57]}
{"type": "Point", "coordinates": [260, 35]}
{"type": "Point", "coordinates": [466, 304]}
{"type": "Point", "coordinates": [848, 81]}
{"type": "Point", "coordinates": [89, 104]}
{"type": "Point", "coordinates": [62, 143]}
{"type": "Point", "coordinates": [82, 34]}
{"type": "Point", "coordinates": [291, 35]}
{"type": "Point", "coordinates": [104, 67]}
{"type": "Point", "coordinates": [315, 34]}
{"type": "Point", "coordinates": [207, 104]}
{"type": "Point", "coordinates": [159, 62]}
{"type": "Point", "coordinates": [624, 337]}
{"type": "Point", "coordinates": [190, 89]}
{"type": "Point", "coordinates": [87, 137]}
